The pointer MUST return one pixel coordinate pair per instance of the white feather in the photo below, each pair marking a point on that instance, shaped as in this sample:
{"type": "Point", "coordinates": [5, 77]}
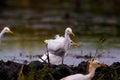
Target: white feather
{"type": "Point", "coordinates": [59, 42]}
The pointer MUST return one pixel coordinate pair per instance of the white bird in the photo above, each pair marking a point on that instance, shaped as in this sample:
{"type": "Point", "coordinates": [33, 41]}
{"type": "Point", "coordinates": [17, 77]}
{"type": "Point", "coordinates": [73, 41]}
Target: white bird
{"type": "Point", "coordinates": [92, 67]}
{"type": "Point", "coordinates": [5, 30]}
{"type": "Point", "coordinates": [57, 48]}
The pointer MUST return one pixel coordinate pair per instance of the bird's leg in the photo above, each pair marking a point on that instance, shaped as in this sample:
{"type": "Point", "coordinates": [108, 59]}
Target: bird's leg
{"type": "Point", "coordinates": [75, 44]}
{"type": "Point", "coordinates": [47, 54]}
{"type": "Point", "coordinates": [43, 60]}
{"type": "Point", "coordinates": [48, 58]}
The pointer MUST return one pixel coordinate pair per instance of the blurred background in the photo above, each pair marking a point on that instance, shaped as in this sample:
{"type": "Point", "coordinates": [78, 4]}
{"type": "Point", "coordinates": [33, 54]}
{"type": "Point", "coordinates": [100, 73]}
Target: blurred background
{"type": "Point", "coordinates": [33, 21]}
{"type": "Point", "coordinates": [88, 17]}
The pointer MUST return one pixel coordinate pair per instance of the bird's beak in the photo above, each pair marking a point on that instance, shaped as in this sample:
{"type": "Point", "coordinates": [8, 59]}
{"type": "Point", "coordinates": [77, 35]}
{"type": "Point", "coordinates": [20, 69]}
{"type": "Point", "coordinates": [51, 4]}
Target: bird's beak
{"type": "Point", "coordinates": [10, 31]}
{"type": "Point", "coordinates": [72, 33]}
{"type": "Point", "coordinates": [103, 65]}
{"type": "Point", "coordinates": [75, 44]}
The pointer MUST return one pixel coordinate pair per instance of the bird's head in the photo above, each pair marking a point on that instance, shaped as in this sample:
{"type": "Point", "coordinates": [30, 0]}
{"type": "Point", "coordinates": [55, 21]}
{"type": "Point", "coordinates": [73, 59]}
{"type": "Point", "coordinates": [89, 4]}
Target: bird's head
{"type": "Point", "coordinates": [95, 64]}
{"type": "Point", "coordinates": [69, 31]}
{"type": "Point", "coordinates": [7, 30]}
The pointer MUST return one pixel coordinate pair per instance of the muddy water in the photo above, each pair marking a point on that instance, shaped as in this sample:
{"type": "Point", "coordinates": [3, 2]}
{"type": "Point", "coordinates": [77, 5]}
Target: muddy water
{"type": "Point", "coordinates": [27, 48]}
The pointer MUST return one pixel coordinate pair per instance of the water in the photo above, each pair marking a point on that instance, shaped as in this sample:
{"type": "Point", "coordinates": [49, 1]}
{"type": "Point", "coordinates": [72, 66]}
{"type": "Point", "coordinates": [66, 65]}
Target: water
{"type": "Point", "coordinates": [26, 48]}
{"type": "Point", "coordinates": [19, 47]}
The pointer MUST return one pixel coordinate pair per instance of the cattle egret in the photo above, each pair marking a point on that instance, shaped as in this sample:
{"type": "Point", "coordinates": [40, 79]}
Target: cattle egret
{"type": "Point", "coordinates": [5, 30]}
{"type": "Point", "coordinates": [58, 47]}
{"type": "Point", "coordinates": [92, 67]}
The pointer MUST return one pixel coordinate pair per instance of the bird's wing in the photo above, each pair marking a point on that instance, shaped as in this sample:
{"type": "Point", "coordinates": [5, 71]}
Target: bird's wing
{"type": "Point", "coordinates": [55, 44]}
{"type": "Point", "coordinates": [57, 36]}
{"type": "Point", "coordinates": [58, 52]}
{"type": "Point", "coordinates": [57, 39]}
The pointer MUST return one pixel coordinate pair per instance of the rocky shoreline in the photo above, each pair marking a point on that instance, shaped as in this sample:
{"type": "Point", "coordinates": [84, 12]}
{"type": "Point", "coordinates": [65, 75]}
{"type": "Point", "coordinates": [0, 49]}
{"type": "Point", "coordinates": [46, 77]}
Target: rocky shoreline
{"type": "Point", "coordinates": [41, 71]}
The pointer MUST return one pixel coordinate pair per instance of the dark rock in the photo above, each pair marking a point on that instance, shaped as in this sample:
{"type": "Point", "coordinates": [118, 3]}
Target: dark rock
{"type": "Point", "coordinates": [61, 71]}
{"type": "Point", "coordinates": [9, 70]}
{"type": "Point", "coordinates": [81, 68]}
{"type": "Point", "coordinates": [42, 71]}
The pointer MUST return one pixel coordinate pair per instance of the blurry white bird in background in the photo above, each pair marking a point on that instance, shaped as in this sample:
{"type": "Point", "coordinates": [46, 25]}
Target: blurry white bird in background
{"type": "Point", "coordinates": [72, 42]}
{"type": "Point", "coordinates": [5, 30]}
{"type": "Point", "coordinates": [58, 47]}
{"type": "Point", "coordinates": [92, 67]}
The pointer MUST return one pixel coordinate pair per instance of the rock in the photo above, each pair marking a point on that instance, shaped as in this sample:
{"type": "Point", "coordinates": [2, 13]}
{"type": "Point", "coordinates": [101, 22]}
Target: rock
{"type": "Point", "coordinates": [42, 71]}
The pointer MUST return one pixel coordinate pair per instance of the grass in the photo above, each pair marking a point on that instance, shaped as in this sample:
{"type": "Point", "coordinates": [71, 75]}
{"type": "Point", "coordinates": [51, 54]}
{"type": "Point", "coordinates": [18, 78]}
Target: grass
{"type": "Point", "coordinates": [20, 73]}
{"type": "Point", "coordinates": [115, 74]}
{"type": "Point", "coordinates": [43, 72]}
{"type": "Point", "coordinates": [99, 46]}
{"type": "Point", "coordinates": [31, 73]}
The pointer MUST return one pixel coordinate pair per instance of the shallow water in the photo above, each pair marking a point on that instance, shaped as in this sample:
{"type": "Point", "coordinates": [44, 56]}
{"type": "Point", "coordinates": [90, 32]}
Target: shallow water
{"type": "Point", "coordinates": [19, 47]}
{"type": "Point", "coordinates": [27, 48]}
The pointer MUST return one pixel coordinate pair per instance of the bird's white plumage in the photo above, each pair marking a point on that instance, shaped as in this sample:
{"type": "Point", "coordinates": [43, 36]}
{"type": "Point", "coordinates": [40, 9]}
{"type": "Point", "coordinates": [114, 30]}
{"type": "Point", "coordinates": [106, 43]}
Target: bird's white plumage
{"type": "Point", "coordinates": [92, 67]}
{"type": "Point", "coordinates": [5, 30]}
{"type": "Point", "coordinates": [76, 77]}
{"type": "Point", "coordinates": [60, 42]}
{"type": "Point", "coordinates": [56, 43]}
{"type": "Point", "coordinates": [53, 59]}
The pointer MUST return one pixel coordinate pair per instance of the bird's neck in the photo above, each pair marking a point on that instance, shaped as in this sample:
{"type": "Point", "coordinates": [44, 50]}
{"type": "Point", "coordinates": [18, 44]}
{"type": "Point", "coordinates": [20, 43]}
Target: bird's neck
{"type": "Point", "coordinates": [66, 36]}
{"type": "Point", "coordinates": [67, 40]}
{"type": "Point", "coordinates": [91, 73]}
{"type": "Point", "coordinates": [2, 32]}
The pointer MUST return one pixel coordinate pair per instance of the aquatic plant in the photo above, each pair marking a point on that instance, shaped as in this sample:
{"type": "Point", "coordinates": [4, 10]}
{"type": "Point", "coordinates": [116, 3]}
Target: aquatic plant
{"type": "Point", "coordinates": [99, 46]}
